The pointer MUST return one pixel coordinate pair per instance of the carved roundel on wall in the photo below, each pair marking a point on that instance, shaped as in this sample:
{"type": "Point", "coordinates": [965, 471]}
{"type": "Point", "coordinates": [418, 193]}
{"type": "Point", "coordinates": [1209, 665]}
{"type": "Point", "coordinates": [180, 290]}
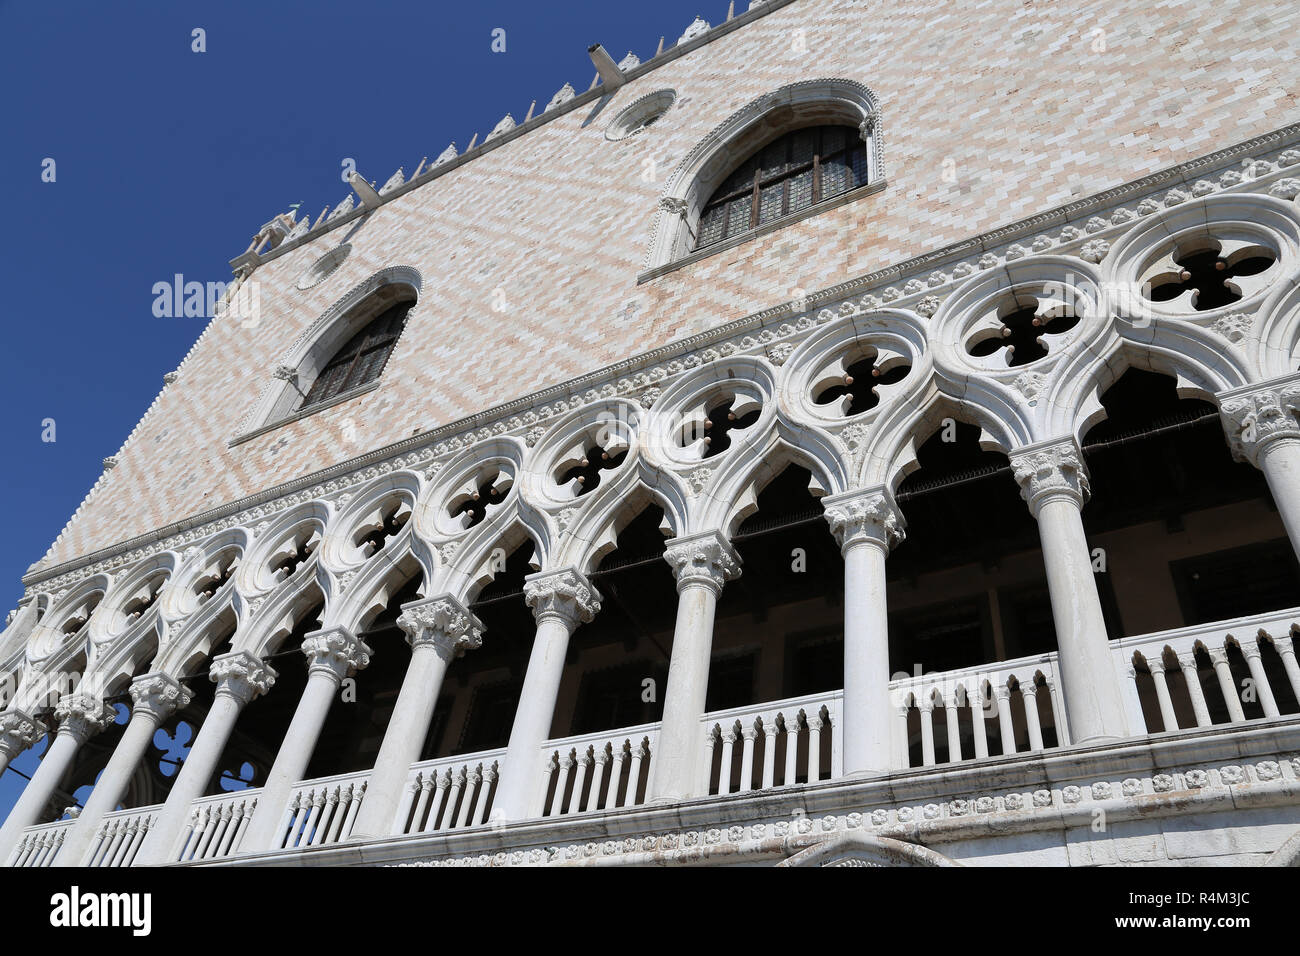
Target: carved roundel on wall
{"type": "Point", "coordinates": [641, 114]}
{"type": "Point", "coordinates": [324, 267]}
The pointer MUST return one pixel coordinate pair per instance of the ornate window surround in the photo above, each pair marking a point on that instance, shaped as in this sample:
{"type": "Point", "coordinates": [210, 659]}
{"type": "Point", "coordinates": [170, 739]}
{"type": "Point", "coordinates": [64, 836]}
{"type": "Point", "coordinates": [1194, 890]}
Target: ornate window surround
{"type": "Point", "coordinates": [292, 376]}
{"type": "Point", "coordinates": [749, 129]}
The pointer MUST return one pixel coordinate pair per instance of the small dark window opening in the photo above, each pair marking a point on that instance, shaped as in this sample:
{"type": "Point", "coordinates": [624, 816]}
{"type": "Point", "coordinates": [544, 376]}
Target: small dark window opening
{"type": "Point", "coordinates": [361, 359]}
{"type": "Point", "coordinates": [789, 174]}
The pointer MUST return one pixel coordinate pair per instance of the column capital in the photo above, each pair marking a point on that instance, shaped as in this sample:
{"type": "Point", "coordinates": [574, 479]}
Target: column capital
{"type": "Point", "coordinates": [335, 652]}
{"type": "Point", "coordinates": [565, 594]}
{"type": "Point", "coordinates": [81, 716]}
{"type": "Point", "coordinates": [443, 623]}
{"type": "Point", "coordinates": [1259, 415]}
{"type": "Point", "coordinates": [158, 696]}
{"type": "Point", "coordinates": [18, 731]}
{"type": "Point", "coordinates": [706, 559]}
{"type": "Point", "coordinates": [241, 675]}
{"type": "Point", "coordinates": [1050, 470]}
{"type": "Point", "coordinates": [869, 516]}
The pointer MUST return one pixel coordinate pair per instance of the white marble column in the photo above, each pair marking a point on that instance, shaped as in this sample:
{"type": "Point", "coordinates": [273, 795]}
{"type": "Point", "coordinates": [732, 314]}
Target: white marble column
{"type": "Point", "coordinates": [561, 600]}
{"type": "Point", "coordinates": [439, 629]}
{"type": "Point", "coordinates": [867, 524]}
{"type": "Point", "coordinates": [332, 654]}
{"type": "Point", "coordinates": [1054, 482]}
{"type": "Point", "coordinates": [1261, 427]}
{"type": "Point", "coordinates": [703, 563]}
{"type": "Point", "coordinates": [79, 717]}
{"type": "Point", "coordinates": [154, 698]}
{"type": "Point", "coordinates": [239, 677]}
{"type": "Point", "coordinates": [18, 731]}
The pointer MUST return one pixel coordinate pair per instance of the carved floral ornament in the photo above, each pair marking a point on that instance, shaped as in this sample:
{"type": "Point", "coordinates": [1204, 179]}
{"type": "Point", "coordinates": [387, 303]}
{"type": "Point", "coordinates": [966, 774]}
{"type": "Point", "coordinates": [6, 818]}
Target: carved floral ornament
{"type": "Point", "coordinates": [565, 595]}
{"type": "Point", "coordinates": [706, 560]}
{"type": "Point", "coordinates": [645, 380]}
{"type": "Point", "coordinates": [335, 653]}
{"type": "Point", "coordinates": [1256, 418]}
{"type": "Point", "coordinates": [1051, 471]}
{"type": "Point", "coordinates": [865, 517]}
{"type": "Point", "coordinates": [444, 623]}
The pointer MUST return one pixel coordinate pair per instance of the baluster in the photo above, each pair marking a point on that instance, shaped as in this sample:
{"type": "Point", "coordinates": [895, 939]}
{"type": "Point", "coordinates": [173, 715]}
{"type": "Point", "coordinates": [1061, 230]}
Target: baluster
{"type": "Point", "coordinates": [223, 825]}
{"type": "Point", "coordinates": [724, 772]}
{"type": "Point", "coordinates": [441, 782]}
{"type": "Point", "coordinates": [1167, 717]}
{"type": "Point", "coordinates": [1222, 670]}
{"type": "Point", "coordinates": [976, 702]}
{"type": "Point", "coordinates": [927, 733]}
{"type": "Point", "coordinates": [298, 809]}
{"type": "Point", "coordinates": [1250, 649]}
{"type": "Point", "coordinates": [403, 823]}
{"type": "Point", "coordinates": [559, 804]}
{"type": "Point", "coordinates": [639, 755]}
{"type": "Point", "coordinates": [579, 783]}
{"type": "Point", "coordinates": [615, 773]}
{"type": "Point", "coordinates": [128, 831]}
{"type": "Point", "coordinates": [791, 750]}
{"type": "Point", "coordinates": [209, 825]}
{"type": "Point", "coordinates": [114, 841]}
{"type": "Point", "coordinates": [42, 848]}
{"type": "Point", "coordinates": [1006, 728]}
{"type": "Point", "coordinates": [247, 808]}
{"type": "Point", "coordinates": [953, 725]}
{"type": "Point", "coordinates": [457, 784]}
{"type": "Point", "coordinates": [485, 794]}
{"type": "Point", "coordinates": [599, 779]}
{"type": "Point", "coordinates": [1029, 698]}
{"type": "Point", "coordinates": [706, 784]}
{"type": "Point", "coordinates": [425, 783]}
{"type": "Point", "coordinates": [1192, 677]}
{"type": "Point", "coordinates": [230, 830]}
{"type": "Point", "coordinates": [472, 779]}
{"type": "Point", "coordinates": [100, 846]}
{"type": "Point", "coordinates": [315, 802]}
{"type": "Point", "coordinates": [188, 838]}
{"type": "Point", "coordinates": [343, 799]}
{"type": "Point", "coordinates": [748, 733]}
{"type": "Point", "coordinates": [1286, 650]}
{"type": "Point", "coordinates": [141, 830]}
{"type": "Point", "coordinates": [769, 752]}
{"type": "Point", "coordinates": [358, 797]}
{"type": "Point", "coordinates": [20, 853]}
{"type": "Point", "coordinates": [323, 806]}
{"type": "Point", "coordinates": [814, 748]}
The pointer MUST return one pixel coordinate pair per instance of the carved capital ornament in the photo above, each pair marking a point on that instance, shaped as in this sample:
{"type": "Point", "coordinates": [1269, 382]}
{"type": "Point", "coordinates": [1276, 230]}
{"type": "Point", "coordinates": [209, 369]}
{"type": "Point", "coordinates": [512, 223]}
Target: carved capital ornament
{"type": "Point", "coordinates": [442, 623]}
{"type": "Point", "coordinates": [566, 595]}
{"type": "Point", "coordinates": [707, 560]}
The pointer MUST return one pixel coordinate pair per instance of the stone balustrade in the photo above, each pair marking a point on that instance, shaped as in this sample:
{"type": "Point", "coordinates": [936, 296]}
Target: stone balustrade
{"type": "Point", "coordinates": [797, 740]}
{"type": "Point", "coordinates": [601, 771]}
{"type": "Point", "coordinates": [449, 793]}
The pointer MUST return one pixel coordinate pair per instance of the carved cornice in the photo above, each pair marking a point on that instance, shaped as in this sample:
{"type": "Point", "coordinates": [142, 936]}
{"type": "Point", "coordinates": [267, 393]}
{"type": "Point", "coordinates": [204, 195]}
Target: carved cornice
{"type": "Point", "coordinates": [442, 623]}
{"type": "Point", "coordinates": [158, 696]}
{"type": "Point", "coordinates": [18, 731]}
{"type": "Point", "coordinates": [865, 517]}
{"type": "Point", "coordinates": [1049, 471]}
{"type": "Point", "coordinates": [241, 676]}
{"type": "Point", "coordinates": [566, 595]}
{"type": "Point", "coordinates": [1253, 419]}
{"type": "Point", "coordinates": [335, 653]}
{"type": "Point", "coordinates": [705, 560]}
{"type": "Point", "coordinates": [81, 716]}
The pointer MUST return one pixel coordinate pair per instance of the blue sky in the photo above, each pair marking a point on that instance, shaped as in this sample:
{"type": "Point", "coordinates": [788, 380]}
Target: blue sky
{"type": "Point", "coordinates": [168, 160]}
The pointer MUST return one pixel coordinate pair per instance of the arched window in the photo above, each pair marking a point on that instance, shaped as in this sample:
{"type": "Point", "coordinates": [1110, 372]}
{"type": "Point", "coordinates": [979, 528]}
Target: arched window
{"type": "Point", "coordinates": [789, 174]}
{"type": "Point", "coordinates": [362, 357]}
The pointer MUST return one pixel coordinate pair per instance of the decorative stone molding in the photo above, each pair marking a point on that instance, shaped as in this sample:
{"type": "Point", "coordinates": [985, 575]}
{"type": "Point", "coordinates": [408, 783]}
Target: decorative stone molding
{"type": "Point", "coordinates": [1049, 470]}
{"type": "Point", "coordinates": [81, 716]}
{"type": "Point", "coordinates": [335, 652]}
{"type": "Point", "coordinates": [562, 96]}
{"type": "Point", "coordinates": [442, 622]}
{"type": "Point", "coordinates": [18, 731]}
{"type": "Point", "coordinates": [1254, 418]}
{"type": "Point", "coordinates": [565, 595]}
{"type": "Point", "coordinates": [158, 696]}
{"type": "Point", "coordinates": [241, 676]}
{"type": "Point", "coordinates": [865, 517]}
{"type": "Point", "coordinates": [704, 560]}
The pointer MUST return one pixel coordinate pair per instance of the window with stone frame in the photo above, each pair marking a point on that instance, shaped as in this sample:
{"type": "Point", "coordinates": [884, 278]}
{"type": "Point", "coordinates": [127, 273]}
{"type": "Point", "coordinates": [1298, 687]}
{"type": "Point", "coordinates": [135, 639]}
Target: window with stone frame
{"type": "Point", "coordinates": [361, 359]}
{"type": "Point", "coordinates": [791, 173]}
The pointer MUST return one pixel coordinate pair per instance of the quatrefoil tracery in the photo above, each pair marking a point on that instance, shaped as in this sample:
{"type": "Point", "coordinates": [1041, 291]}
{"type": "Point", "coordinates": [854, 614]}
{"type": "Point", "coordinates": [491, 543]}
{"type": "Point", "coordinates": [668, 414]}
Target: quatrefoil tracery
{"type": "Point", "coordinates": [580, 471]}
{"type": "Point", "coordinates": [144, 597]}
{"type": "Point", "coordinates": [1209, 277]}
{"type": "Point", "coordinates": [213, 577]}
{"type": "Point", "coordinates": [707, 428]}
{"type": "Point", "coordinates": [473, 500]}
{"type": "Point", "coordinates": [295, 552]}
{"type": "Point", "coordinates": [383, 523]}
{"type": "Point", "coordinates": [852, 383]}
{"type": "Point", "coordinates": [1021, 327]}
